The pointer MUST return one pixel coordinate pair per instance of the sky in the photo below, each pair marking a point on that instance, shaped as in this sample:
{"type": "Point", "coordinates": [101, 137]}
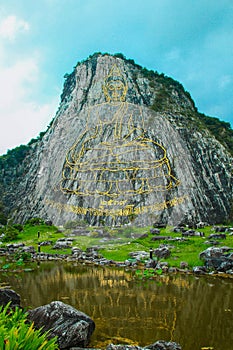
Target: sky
{"type": "Point", "coordinates": [40, 41]}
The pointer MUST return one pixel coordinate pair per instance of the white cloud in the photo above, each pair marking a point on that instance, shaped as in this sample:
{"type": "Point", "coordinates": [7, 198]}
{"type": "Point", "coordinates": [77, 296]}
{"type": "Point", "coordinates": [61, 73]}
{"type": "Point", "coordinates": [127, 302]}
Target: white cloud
{"type": "Point", "coordinates": [11, 26]}
{"type": "Point", "coordinates": [16, 81]}
{"type": "Point", "coordinates": [23, 112]}
{"type": "Point", "coordinates": [21, 115]}
{"type": "Point", "coordinates": [23, 122]}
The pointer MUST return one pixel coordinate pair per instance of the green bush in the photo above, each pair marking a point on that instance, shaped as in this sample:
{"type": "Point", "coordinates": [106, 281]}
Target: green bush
{"type": "Point", "coordinates": [74, 224]}
{"type": "Point", "coordinates": [3, 216]}
{"type": "Point", "coordinates": [22, 256]}
{"type": "Point", "coordinates": [18, 227]}
{"type": "Point", "coordinates": [10, 233]}
{"type": "Point", "coordinates": [17, 333]}
{"type": "Point", "coordinates": [34, 221]}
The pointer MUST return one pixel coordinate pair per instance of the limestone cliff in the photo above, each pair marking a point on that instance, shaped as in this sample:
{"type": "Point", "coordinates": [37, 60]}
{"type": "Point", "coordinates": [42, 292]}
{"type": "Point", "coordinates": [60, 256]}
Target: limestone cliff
{"type": "Point", "coordinates": [125, 145]}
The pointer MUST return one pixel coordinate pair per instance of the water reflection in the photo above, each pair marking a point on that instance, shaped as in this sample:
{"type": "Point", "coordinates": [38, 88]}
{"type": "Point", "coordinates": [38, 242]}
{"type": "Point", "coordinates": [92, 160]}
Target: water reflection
{"type": "Point", "coordinates": [194, 312]}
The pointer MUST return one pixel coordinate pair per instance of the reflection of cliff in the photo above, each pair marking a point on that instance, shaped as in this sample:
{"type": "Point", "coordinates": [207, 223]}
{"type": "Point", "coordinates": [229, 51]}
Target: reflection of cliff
{"type": "Point", "coordinates": [179, 308]}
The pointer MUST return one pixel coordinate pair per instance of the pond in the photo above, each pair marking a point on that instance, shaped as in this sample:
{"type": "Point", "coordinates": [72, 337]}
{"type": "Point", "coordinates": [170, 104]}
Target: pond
{"type": "Point", "coordinates": [193, 311]}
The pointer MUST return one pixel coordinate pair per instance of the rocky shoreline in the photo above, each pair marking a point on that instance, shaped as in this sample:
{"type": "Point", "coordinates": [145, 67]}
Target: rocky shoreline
{"type": "Point", "coordinates": [217, 260]}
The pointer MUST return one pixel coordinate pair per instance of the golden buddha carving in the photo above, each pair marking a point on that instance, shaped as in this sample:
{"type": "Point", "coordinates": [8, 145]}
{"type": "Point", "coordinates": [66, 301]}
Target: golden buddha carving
{"type": "Point", "coordinates": [115, 159]}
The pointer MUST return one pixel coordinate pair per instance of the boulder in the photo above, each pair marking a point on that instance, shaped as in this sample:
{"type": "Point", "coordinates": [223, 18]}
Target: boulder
{"type": "Point", "coordinates": [218, 258]}
{"type": "Point", "coordinates": [164, 345]}
{"type": "Point", "coordinates": [217, 236]}
{"type": "Point", "coordinates": [159, 345]}
{"type": "Point", "coordinates": [155, 231]}
{"type": "Point", "coordinates": [122, 347]}
{"type": "Point", "coordinates": [46, 243]}
{"type": "Point", "coordinates": [14, 246]}
{"type": "Point", "coordinates": [184, 265]}
{"type": "Point", "coordinates": [162, 252]}
{"type": "Point", "coordinates": [76, 252]}
{"type": "Point", "coordinates": [160, 238]}
{"type": "Point", "coordinates": [199, 270]}
{"type": "Point", "coordinates": [28, 249]}
{"type": "Point", "coordinates": [214, 252]}
{"type": "Point", "coordinates": [159, 225]}
{"type": "Point", "coordinates": [221, 228]}
{"type": "Point", "coordinates": [63, 243]}
{"type": "Point", "coordinates": [188, 233]}
{"type": "Point", "coordinates": [48, 222]}
{"type": "Point", "coordinates": [9, 295]}
{"type": "Point", "coordinates": [72, 327]}
{"type": "Point", "coordinates": [139, 255]}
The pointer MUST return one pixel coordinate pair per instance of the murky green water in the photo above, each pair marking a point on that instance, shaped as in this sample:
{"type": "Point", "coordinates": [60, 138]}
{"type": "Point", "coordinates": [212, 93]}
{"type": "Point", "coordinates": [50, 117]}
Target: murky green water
{"type": "Point", "coordinates": [195, 312]}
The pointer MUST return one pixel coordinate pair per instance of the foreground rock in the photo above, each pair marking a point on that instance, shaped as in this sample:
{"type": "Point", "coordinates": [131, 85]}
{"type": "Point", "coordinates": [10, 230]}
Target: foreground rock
{"type": "Point", "coordinates": [9, 296]}
{"type": "Point", "coordinates": [72, 327]}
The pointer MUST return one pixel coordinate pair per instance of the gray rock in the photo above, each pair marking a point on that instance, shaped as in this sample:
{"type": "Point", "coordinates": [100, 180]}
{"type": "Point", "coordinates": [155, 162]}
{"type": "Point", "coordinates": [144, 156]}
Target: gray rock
{"type": "Point", "coordinates": [46, 243]}
{"type": "Point", "coordinates": [15, 245]}
{"type": "Point", "coordinates": [217, 236]}
{"type": "Point", "coordinates": [123, 347]}
{"type": "Point", "coordinates": [151, 263]}
{"type": "Point", "coordinates": [177, 229]}
{"type": "Point", "coordinates": [164, 345]}
{"type": "Point", "coordinates": [139, 255]}
{"type": "Point", "coordinates": [220, 228]}
{"type": "Point", "coordinates": [214, 252]}
{"type": "Point", "coordinates": [9, 295]}
{"type": "Point", "coordinates": [162, 252]}
{"type": "Point", "coordinates": [72, 327]}
{"type": "Point", "coordinates": [183, 265]}
{"type": "Point", "coordinates": [159, 225]}
{"type": "Point", "coordinates": [199, 270]}
{"type": "Point", "coordinates": [192, 233]}
{"type": "Point", "coordinates": [160, 238]}
{"type": "Point", "coordinates": [155, 231]}
{"type": "Point", "coordinates": [28, 249]}
{"type": "Point", "coordinates": [158, 345]}
{"type": "Point", "coordinates": [77, 252]}
{"type": "Point", "coordinates": [63, 243]}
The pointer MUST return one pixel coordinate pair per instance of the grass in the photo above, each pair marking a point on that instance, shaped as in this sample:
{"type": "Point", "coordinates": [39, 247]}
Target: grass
{"type": "Point", "coordinates": [187, 250]}
{"type": "Point", "coordinates": [121, 241]}
{"type": "Point", "coordinates": [17, 333]}
{"type": "Point", "coordinates": [30, 234]}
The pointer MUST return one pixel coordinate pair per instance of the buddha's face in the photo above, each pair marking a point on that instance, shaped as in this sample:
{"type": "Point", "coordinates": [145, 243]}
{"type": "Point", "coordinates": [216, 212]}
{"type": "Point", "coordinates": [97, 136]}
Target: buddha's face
{"type": "Point", "coordinates": [116, 90]}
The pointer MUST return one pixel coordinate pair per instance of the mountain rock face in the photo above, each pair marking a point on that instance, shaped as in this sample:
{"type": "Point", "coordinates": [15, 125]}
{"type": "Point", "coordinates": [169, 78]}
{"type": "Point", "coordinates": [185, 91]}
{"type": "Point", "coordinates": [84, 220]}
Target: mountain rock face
{"type": "Point", "coordinates": [125, 145]}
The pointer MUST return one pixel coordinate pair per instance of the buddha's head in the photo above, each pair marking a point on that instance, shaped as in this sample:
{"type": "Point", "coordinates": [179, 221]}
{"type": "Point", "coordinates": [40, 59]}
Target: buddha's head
{"type": "Point", "coordinates": [115, 86]}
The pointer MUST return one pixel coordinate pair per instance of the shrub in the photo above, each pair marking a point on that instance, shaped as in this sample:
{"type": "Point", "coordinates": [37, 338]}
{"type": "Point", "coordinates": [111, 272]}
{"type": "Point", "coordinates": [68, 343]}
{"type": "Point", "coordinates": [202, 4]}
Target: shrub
{"type": "Point", "coordinates": [74, 224]}
{"type": "Point", "coordinates": [17, 333]}
{"type": "Point", "coordinates": [18, 227]}
{"type": "Point", "coordinates": [3, 216]}
{"type": "Point", "coordinates": [10, 233]}
{"type": "Point", "coordinates": [34, 221]}
{"type": "Point", "coordinates": [22, 256]}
